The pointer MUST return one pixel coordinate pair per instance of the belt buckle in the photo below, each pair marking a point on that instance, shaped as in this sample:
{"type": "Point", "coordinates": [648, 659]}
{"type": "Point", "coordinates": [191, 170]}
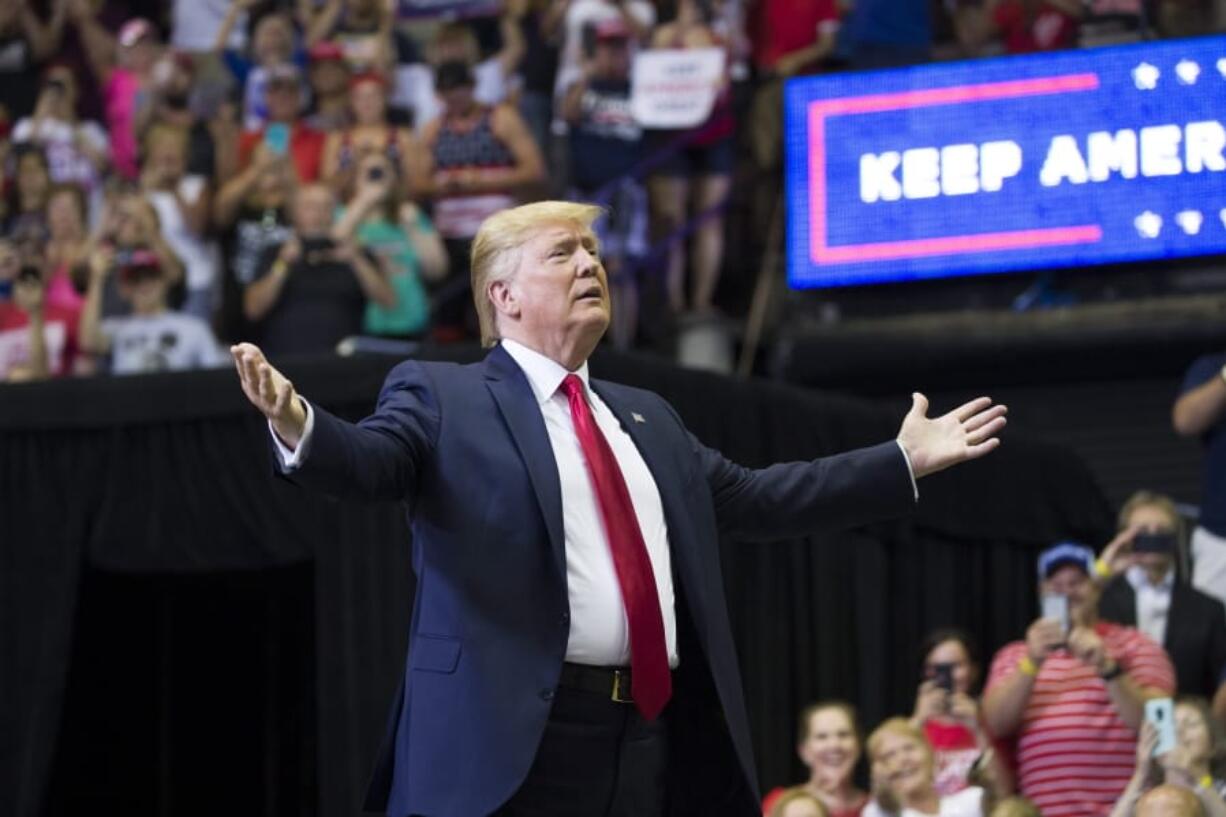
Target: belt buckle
{"type": "Point", "coordinates": [621, 687]}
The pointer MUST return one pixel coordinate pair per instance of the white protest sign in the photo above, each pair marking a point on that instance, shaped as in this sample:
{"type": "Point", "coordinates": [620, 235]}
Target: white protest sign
{"type": "Point", "coordinates": [673, 88]}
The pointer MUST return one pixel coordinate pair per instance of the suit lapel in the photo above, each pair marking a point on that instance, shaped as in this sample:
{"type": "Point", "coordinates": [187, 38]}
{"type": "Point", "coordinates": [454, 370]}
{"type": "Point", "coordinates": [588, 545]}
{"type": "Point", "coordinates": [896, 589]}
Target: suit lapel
{"type": "Point", "coordinates": [513, 394]}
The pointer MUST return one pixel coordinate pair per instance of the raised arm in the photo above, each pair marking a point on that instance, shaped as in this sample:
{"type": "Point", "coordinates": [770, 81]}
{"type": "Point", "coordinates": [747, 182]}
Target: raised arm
{"type": "Point", "coordinates": [98, 42]}
{"type": "Point", "coordinates": [380, 457]}
{"type": "Point", "coordinates": [1199, 409]}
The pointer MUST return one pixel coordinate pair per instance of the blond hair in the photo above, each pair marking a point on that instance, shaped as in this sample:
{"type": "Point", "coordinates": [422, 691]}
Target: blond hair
{"type": "Point", "coordinates": [793, 795]}
{"type": "Point", "coordinates": [1153, 499]}
{"type": "Point", "coordinates": [896, 726]}
{"type": "Point", "coordinates": [496, 250]}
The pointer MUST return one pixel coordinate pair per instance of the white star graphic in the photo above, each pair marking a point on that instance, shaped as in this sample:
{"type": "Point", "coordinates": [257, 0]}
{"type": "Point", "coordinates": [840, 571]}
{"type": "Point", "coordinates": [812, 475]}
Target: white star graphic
{"type": "Point", "coordinates": [1187, 71]}
{"type": "Point", "coordinates": [1148, 224]}
{"type": "Point", "coordinates": [1145, 76]}
{"type": "Point", "coordinates": [1190, 221]}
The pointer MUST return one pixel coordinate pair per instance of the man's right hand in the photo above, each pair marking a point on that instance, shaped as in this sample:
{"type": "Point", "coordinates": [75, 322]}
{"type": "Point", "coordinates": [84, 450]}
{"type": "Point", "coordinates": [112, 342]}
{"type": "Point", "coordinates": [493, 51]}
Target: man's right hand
{"type": "Point", "coordinates": [1044, 636]}
{"type": "Point", "coordinates": [271, 392]}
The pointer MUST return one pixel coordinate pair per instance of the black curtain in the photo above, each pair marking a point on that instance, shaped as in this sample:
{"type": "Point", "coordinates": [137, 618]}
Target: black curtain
{"type": "Point", "coordinates": [170, 474]}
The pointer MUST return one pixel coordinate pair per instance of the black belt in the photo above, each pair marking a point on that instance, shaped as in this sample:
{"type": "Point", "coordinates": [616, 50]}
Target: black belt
{"type": "Point", "coordinates": [613, 682]}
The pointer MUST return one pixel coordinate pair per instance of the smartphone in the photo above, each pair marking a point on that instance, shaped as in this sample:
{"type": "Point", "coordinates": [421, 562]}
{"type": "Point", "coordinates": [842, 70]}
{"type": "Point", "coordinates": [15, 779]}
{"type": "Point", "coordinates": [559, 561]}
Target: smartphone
{"type": "Point", "coordinates": [1055, 606]}
{"type": "Point", "coordinates": [276, 137]}
{"type": "Point", "coordinates": [1153, 543]}
{"type": "Point", "coordinates": [1161, 713]}
{"type": "Point", "coordinates": [943, 676]}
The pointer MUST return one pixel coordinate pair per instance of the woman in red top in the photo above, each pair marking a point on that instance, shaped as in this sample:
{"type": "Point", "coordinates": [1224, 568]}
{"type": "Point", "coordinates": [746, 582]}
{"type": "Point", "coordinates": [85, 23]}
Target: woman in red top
{"type": "Point", "coordinates": [370, 133]}
{"type": "Point", "coordinates": [829, 745]}
{"type": "Point", "coordinates": [948, 715]}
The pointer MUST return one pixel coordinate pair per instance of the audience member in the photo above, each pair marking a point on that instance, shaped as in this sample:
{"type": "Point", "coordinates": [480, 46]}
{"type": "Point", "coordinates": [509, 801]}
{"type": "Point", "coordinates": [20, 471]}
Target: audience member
{"type": "Point", "coordinates": [329, 76]}
{"type": "Point", "coordinates": [399, 235]}
{"type": "Point", "coordinates": [168, 103]}
{"type": "Point", "coordinates": [902, 772]}
{"type": "Point", "coordinates": [25, 42]}
{"type": "Point", "coordinates": [272, 45]}
{"type": "Point", "coordinates": [1148, 594]}
{"type": "Point", "coordinates": [1189, 766]}
{"type": "Point", "coordinates": [1200, 411]}
{"type": "Point", "coordinates": [605, 147]}
{"type": "Point", "coordinates": [455, 42]}
{"type": "Point", "coordinates": [1170, 801]}
{"type": "Point", "coordinates": [638, 15]}
{"type": "Point", "coordinates": [949, 717]}
{"type": "Point", "coordinates": [182, 202]}
{"type": "Point", "coordinates": [1014, 807]}
{"type": "Point", "coordinates": [77, 152]}
{"type": "Point", "coordinates": [311, 292]}
{"type": "Point", "coordinates": [697, 173]}
{"type": "Point", "coordinates": [25, 220]}
{"type": "Point", "coordinates": [152, 337]}
{"type": "Point", "coordinates": [540, 22]}
{"type": "Point", "coordinates": [67, 249]}
{"type": "Point", "coordinates": [370, 133]}
{"type": "Point", "coordinates": [37, 339]}
{"type": "Point", "coordinates": [798, 803]}
{"type": "Point", "coordinates": [476, 160]}
{"type": "Point", "coordinates": [1036, 25]}
{"type": "Point", "coordinates": [1060, 691]}
{"type": "Point", "coordinates": [285, 133]}
{"type": "Point", "coordinates": [194, 25]}
{"type": "Point", "coordinates": [886, 34]}
{"type": "Point", "coordinates": [364, 29]}
{"type": "Point", "coordinates": [828, 743]}
{"type": "Point", "coordinates": [130, 224]}
{"type": "Point", "coordinates": [124, 66]}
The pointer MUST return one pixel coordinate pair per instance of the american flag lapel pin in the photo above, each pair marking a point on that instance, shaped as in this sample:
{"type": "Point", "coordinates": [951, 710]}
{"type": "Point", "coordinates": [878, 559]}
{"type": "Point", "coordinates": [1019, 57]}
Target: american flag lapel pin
{"type": "Point", "coordinates": [638, 418]}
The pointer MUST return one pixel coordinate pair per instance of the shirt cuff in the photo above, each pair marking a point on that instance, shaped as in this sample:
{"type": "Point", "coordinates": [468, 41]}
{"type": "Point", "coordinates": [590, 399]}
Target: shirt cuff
{"type": "Point", "coordinates": [290, 460]}
{"type": "Point", "coordinates": [906, 458]}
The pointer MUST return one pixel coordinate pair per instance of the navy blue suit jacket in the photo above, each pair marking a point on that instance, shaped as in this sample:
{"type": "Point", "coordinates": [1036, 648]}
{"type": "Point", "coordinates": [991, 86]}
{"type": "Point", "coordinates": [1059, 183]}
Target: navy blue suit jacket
{"type": "Point", "coordinates": [465, 447]}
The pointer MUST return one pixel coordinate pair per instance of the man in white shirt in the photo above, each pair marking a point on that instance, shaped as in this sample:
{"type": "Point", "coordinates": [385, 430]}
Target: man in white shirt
{"type": "Point", "coordinates": [570, 651]}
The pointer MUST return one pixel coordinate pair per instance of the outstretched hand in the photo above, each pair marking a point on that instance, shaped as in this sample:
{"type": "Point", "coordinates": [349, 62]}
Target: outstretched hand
{"type": "Point", "coordinates": [966, 433]}
{"type": "Point", "coordinates": [271, 392]}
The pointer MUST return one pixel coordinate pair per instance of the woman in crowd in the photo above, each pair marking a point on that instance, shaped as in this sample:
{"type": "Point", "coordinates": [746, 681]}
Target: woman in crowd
{"type": "Point", "coordinates": [476, 160]}
{"type": "Point", "coordinates": [700, 170]}
{"type": "Point", "coordinates": [948, 715]}
{"type": "Point", "coordinates": [399, 235]}
{"type": "Point", "coordinates": [130, 223]}
{"type": "Point", "coordinates": [182, 203]}
{"type": "Point", "coordinates": [67, 247]}
{"type": "Point", "coordinates": [370, 133]}
{"type": "Point", "coordinates": [903, 770]}
{"type": "Point", "coordinates": [798, 803]}
{"type": "Point", "coordinates": [77, 152]}
{"type": "Point", "coordinates": [1198, 761]}
{"type": "Point", "coordinates": [26, 218]}
{"type": "Point", "coordinates": [828, 742]}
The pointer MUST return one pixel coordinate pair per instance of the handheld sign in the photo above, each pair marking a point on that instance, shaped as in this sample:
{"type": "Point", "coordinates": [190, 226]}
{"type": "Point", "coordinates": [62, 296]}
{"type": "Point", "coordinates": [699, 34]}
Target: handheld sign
{"type": "Point", "coordinates": [675, 89]}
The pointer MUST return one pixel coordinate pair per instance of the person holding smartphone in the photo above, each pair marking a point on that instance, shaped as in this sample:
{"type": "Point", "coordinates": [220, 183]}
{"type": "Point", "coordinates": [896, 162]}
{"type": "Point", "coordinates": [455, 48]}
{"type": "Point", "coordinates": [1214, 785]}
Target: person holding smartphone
{"type": "Point", "coordinates": [948, 714]}
{"type": "Point", "coordinates": [1072, 693]}
{"type": "Point", "coordinates": [284, 133]}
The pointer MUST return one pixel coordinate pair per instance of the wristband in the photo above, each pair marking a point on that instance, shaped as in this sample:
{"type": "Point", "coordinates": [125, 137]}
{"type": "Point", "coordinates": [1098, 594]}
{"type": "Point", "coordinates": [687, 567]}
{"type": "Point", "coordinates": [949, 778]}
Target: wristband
{"type": "Point", "coordinates": [1113, 673]}
{"type": "Point", "coordinates": [1028, 666]}
{"type": "Point", "coordinates": [1206, 782]}
{"type": "Point", "coordinates": [1101, 568]}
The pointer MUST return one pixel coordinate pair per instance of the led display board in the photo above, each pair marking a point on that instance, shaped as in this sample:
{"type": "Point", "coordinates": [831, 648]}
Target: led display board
{"type": "Point", "coordinates": [1066, 159]}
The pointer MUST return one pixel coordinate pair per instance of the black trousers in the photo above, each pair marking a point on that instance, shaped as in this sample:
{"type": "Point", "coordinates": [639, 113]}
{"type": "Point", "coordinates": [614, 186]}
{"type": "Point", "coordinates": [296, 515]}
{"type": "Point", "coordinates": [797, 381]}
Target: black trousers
{"type": "Point", "coordinates": [598, 758]}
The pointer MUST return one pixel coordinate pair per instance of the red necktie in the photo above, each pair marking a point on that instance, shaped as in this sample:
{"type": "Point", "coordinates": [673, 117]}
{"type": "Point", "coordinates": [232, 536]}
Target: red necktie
{"type": "Point", "coordinates": [650, 681]}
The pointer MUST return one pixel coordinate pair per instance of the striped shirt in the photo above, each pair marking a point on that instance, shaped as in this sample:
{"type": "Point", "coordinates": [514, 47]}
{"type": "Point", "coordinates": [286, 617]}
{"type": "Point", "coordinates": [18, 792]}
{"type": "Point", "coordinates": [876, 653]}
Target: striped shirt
{"type": "Point", "coordinates": [1074, 753]}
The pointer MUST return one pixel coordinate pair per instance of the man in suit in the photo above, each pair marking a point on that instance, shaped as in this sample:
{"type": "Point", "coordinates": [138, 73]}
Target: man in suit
{"type": "Point", "coordinates": [570, 652]}
{"type": "Point", "coordinates": [1142, 591]}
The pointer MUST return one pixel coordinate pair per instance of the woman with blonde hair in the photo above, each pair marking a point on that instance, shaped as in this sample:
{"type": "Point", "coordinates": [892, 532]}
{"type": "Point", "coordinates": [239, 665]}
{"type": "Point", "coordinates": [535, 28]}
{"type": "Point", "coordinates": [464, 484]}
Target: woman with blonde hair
{"type": "Point", "coordinates": [828, 742]}
{"type": "Point", "coordinates": [799, 802]}
{"type": "Point", "coordinates": [903, 773]}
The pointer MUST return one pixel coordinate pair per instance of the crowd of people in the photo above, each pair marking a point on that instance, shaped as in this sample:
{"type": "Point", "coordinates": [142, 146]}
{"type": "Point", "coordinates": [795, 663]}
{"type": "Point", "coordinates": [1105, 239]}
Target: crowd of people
{"type": "Point", "coordinates": [1070, 718]}
{"type": "Point", "coordinates": [298, 173]}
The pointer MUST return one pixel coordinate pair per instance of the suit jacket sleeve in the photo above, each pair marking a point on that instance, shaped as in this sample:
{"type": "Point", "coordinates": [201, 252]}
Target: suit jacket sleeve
{"type": "Point", "coordinates": [381, 456]}
{"type": "Point", "coordinates": [799, 498]}
{"type": "Point", "coordinates": [1215, 660]}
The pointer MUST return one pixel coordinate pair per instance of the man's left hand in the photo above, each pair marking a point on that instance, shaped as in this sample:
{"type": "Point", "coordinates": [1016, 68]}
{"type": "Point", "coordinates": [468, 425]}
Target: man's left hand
{"type": "Point", "coordinates": [966, 433]}
{"type": "Point", "coordinates": [1087, 647]}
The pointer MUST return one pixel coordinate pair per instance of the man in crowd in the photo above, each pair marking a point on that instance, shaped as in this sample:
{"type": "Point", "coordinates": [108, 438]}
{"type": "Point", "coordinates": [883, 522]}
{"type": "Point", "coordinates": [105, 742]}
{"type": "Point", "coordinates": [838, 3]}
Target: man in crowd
{"type": "Point", "coordinates": [1148, 595]}
{"type": "Point", "coordinates": [1072, 694]}
{"type": "Point", "coordinates": [285, 133]}
{"type": "Point", "coordinates": [570, 647]}
{"type": "Point", "coordinates": [1200, 412]}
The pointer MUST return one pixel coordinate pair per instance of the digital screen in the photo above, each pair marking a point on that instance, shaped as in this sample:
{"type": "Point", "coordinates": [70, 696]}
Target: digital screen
{"type": "Point", "coordinates": [1067, 159]}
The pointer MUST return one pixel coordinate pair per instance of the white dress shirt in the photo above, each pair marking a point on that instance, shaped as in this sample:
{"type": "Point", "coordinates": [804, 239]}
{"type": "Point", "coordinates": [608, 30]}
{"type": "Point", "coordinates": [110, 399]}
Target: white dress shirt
{"type": "Point", "coordinates": [1153, 601]}
{"type": "Point", "coordinates": [599, 632]}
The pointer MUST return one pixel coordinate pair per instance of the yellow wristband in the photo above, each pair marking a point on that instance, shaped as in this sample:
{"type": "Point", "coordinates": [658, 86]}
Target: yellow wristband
{"type": "Point", "coordinates": [1206, 782]}
{"type": "Point", "coordinates": [1028, 666]}
{"type": "Point", "coordinates": [1102, 568]}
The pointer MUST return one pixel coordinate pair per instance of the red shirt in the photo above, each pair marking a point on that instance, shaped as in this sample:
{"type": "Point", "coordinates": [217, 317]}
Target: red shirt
{"type": "Point", "coordinates": [306, 148]}
{"type": "Point", "coordinates": [1074, 753]}
{"type": "Point", "coordinates": [59, 334]}
{"type": "Point", "coordinates": [772, 797]}
{"type": "Point", "coordinates": [778, 27]}
{"type": "Point", "coordinates": [954, 751]}
{"type": "Point", "coordinates": [1047, 30]}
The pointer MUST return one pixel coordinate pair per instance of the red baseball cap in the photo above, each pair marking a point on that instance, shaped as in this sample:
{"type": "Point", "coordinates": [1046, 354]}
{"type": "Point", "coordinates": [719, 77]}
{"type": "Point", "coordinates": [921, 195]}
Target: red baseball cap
{"type": "Point", "coordinates": [326, 51]}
